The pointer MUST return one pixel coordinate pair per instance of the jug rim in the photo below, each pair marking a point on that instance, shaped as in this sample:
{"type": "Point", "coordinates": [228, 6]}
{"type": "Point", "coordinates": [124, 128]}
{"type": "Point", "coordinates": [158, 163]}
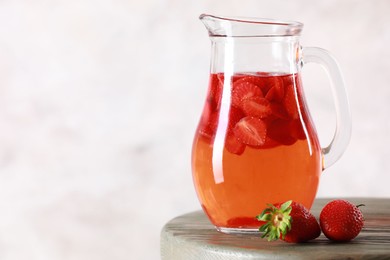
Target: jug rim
{"type": "Point", "coordinates": [236, 26]}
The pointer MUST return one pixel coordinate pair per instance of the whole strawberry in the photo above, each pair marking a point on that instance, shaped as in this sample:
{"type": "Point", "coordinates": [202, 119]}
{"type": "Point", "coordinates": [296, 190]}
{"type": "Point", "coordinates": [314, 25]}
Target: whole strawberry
{"type": "Point", "coordinates": [289, 221]}
{"type": "Point", "coordinates": [341, 221]}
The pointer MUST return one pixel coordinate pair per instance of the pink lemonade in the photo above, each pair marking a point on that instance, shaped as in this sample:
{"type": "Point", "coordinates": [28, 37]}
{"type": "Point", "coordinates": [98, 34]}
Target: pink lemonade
{"type": "Point", "coordinates": [259, 147]}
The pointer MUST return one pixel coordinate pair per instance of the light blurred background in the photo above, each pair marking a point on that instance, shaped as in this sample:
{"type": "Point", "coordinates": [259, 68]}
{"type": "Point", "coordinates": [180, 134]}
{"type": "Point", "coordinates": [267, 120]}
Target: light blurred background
{"type": "Point", "coordinates": [99, 101]}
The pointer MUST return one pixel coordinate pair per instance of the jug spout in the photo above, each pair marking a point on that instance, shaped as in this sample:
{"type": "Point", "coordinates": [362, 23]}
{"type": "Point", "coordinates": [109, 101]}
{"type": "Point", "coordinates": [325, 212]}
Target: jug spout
{"type": "Point", "coordinates": [219, 26]}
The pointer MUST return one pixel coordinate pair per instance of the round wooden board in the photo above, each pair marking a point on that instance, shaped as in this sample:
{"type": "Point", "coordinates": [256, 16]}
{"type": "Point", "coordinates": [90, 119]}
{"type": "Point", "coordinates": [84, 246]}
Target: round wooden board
{"type": "Point", "coordinates": [192, 236]}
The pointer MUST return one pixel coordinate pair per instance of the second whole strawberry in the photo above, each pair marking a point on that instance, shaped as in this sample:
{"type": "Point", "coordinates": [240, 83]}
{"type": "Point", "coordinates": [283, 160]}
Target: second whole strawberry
{"type": "Point", "coordinates": [341, 221]}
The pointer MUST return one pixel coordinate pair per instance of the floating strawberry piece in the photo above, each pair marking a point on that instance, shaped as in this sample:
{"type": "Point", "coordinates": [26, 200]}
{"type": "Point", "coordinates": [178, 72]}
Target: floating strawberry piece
{"type": "Point", "coordinates": [244, 90]}
{"type": "Point", "coordinates": [279, 130]}
{"type": "Point", "coordinates": [231, 142]}
{"type": "Point", "coordinates": [233, 145]}
{"type": "Point", "coordinates": [256, 107]}
{"type": "Point", "coordinates": [276, 89]}
{"type": "Point", "coordinates": [256, 80]}
{"type": "Point", "coordinates": [289, 221]}
{"type": "Point", "coordinates": [239, 76]}
{"type": "Point", "coordinates": [251, 131]}
{"type": "Point", "coordinates": [290, 102]}
{"type": "Point", "coordinates": [296, 129]}
{"type": "Point", "coordinates": [269, 143]}
{"type": "Point", "coordinates": [289, 79]}
{"type": "Point", "coordinates": [278, 110]}
{"type": "Point", "coordinates": [235, 115]}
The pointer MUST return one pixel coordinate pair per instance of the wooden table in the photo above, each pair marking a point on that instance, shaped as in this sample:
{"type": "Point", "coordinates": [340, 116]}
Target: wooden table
{"type": "Point", "coordinates": [191, 236]}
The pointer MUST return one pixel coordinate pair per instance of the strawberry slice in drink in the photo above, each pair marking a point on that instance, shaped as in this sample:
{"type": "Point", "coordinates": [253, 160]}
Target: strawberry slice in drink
{"type": "Point", "coordinates": [251, 131]}
{"type": "Point", "coordinates": [235, 115]}
{"type": "Point", "coordinates": [244, 90]}
{"type": "Point", "coordinates": [290, 102]}
{"type": "Point", "coordinates": [269, 143]}
{"type": "Point", "coordinates": [279, 131]}
{"type": "Point", "coordinates": [276, 89]}
{"type": "Point", "coordinates": [256, 107]}
{"type": "Point", "coordinates": [259, 81]}
{"type": "Point", "coordinates": [278, 110]}
{"type": "Point", "coordinates": [233, 145]}
{"type": "Point", "coordinates": [296, 129]}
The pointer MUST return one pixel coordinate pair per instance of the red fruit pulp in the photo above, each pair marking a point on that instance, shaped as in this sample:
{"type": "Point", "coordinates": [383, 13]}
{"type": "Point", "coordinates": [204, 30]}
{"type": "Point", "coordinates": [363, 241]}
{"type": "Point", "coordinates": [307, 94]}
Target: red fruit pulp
{"type": "Point", "coordinates": [251, 131]}
{"type": "Point", "coordinates": [260, 148]}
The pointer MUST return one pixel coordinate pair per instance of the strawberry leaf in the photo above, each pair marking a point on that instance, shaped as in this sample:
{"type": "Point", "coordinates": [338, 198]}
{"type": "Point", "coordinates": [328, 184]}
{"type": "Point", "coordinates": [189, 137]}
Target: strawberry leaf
{"type": "Point", "coordinates": [286, 205]}
{"type": "Point", "coordinates": [278, 221]}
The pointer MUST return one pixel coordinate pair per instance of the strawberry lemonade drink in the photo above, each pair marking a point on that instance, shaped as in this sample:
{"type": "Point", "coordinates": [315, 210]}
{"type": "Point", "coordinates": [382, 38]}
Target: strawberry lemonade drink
{"type": "Point", "coordinates": [255, 144]}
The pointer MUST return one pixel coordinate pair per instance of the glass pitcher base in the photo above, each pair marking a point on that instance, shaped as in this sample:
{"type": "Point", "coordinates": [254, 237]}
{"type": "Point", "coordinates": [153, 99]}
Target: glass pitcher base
{"type": "Point", "coordinates": [238, 230]}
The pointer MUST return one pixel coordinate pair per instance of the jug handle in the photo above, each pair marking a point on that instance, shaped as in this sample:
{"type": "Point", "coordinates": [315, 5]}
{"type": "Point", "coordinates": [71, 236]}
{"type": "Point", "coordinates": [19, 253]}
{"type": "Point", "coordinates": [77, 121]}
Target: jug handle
{"type": "Point", "coordinates": [342, 133]}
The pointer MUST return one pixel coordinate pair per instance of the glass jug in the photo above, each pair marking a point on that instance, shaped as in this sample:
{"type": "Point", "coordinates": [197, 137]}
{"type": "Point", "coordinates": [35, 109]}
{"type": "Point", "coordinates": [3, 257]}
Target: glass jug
{"type": "Point", "coordinates": [255, 142]}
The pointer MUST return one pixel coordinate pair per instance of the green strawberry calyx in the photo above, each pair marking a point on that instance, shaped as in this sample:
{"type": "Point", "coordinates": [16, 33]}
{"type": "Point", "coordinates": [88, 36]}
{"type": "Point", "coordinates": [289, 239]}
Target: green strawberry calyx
{"type": "Point", "coordinates": [277, 221]}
